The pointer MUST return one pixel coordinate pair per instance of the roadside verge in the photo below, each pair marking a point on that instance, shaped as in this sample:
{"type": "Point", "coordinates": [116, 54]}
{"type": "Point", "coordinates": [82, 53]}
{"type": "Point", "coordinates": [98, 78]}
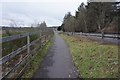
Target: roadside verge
{"type": "Point", "coordinates": [92, 59]}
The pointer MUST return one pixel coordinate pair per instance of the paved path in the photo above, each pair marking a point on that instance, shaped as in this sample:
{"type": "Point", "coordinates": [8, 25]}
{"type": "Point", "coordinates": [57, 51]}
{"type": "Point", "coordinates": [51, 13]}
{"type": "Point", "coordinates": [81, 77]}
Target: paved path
{"type": "Point", "coordinates": [58, 62]}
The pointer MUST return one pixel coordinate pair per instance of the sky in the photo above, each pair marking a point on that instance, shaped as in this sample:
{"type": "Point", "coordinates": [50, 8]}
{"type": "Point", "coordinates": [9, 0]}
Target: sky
{"type": "Point", "coordinates": [27, 12]}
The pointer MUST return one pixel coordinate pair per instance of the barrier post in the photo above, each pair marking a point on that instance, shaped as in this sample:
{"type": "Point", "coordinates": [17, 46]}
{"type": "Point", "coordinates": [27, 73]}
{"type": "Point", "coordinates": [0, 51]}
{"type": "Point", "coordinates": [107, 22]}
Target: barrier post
{"type": "Point", "coordinates": [28, 42]}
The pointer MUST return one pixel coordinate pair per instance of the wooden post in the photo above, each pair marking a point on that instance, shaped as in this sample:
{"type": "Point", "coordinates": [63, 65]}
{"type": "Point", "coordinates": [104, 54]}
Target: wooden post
{"type": "Point", "coordinates": [28, 42]}
{"type": "Point", "coordinates": [40, 39]}
{"type": "Point", "coordinates": [102, 34]}
{"type": "Point", "coordinates": [28, 49]}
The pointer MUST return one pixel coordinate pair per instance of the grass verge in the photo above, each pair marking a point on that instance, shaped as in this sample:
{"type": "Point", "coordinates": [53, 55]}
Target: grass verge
{"type": "Point", "coordinates": [36, 62]}
{"type": "Point", "coordinates": [92, 59]}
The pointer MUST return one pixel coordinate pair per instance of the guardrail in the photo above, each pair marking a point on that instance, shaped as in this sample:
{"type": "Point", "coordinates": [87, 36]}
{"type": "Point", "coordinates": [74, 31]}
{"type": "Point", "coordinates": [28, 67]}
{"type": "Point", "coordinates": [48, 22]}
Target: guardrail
{"type": "Point", "coordinates": [23, 59]}
{"type": "Point", "coordinates": [117, 36]}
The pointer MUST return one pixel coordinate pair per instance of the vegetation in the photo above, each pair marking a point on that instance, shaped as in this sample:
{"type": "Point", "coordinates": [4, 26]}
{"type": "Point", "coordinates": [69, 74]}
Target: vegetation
{"type": "Point", "coordinates": [92, 59]}
{"type": "Point", "coordinates": [93, 17]}
{"type": "Point", "coordinates": [36, 62]}
{"type": "Point", "coordinates": [10, 31]}
{"type": "Point", "coordinates": [13, 45]}
{"type": "Point", "coordinates": [8, 47]}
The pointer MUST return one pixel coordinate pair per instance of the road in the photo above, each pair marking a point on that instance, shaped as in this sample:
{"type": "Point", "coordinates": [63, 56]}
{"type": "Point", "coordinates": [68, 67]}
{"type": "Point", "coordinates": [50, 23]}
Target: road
{"type": "Point", "coordinates": [58, 63]}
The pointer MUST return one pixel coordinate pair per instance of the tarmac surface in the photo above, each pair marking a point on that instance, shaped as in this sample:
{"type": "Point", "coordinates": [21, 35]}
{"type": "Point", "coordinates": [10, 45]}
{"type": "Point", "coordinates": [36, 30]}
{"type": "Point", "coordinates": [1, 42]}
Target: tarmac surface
{"type": "Point", "coordinates": [58, 62]}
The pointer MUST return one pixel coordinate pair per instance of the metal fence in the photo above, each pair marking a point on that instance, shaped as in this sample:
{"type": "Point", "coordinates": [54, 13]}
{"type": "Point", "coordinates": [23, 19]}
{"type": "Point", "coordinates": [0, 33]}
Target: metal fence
{"type": "Point", "coordinates": [117, 36]}
{"type": "Point", "coordinates": [15, 63]}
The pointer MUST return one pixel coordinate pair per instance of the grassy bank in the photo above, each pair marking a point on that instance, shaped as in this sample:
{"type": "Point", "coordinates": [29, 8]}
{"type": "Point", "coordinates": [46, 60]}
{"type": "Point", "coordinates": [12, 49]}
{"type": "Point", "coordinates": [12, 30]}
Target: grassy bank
{"type": "Point", "coordinates": [92, 59]}
{"type": "Point", "coordinates": [36, 62]}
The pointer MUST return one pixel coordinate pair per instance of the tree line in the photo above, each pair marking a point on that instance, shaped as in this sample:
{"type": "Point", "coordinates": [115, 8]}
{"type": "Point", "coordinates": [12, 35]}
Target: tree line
{"type": "Point", "coordinates": [93, 17]}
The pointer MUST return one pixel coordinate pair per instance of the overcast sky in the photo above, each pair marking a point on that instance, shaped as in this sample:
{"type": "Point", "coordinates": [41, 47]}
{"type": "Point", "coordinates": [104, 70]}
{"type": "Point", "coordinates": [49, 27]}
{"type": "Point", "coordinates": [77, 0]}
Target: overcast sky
{"type": "Point", "coordinates": [31, 11]}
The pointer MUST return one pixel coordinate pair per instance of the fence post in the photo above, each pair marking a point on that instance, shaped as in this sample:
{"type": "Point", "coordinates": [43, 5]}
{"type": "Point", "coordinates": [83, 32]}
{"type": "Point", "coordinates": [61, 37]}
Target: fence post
{"type": "Point", "coordinates": [28, 50]}
{"type": "Point", "coordinates": [40, 39]}
{"type": "Point", "coordinates": [102, 35]}
{"type": "Point", "coordinates": [28, 44]}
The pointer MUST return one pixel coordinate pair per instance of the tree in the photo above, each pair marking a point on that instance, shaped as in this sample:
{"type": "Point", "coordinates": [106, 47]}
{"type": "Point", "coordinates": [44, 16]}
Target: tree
{"type": "Point", "coordinates": [59, 28]}
{"type": "Point", "coordinates": [93, 17]}
{"type": "Point", "coordinates": [81, 23]}
{"type": "Point", "coordinates": [102, 12]}
{"type": "Point", "coordinates": [68, 15]}
{"type": "Point", "coordinates": [69, 22]}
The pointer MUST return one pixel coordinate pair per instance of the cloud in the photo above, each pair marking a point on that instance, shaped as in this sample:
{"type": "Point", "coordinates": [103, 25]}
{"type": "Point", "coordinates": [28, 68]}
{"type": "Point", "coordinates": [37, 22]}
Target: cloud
{"type": "Point", "coordinates": [0, 13]}
{"type": "Point", "coordinates": [42, 0]}
{"type": "Point", "coordinates": [29, 11]}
